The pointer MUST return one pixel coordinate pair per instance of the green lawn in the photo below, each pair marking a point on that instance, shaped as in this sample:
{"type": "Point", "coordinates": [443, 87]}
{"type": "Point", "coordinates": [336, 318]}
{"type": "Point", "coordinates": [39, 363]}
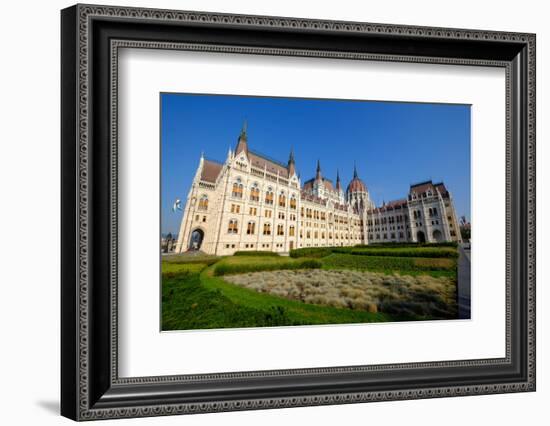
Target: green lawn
{"type": "Point", "coordinates": [195, 299]}
{"type": "Point", "coordinates": [196, 296]}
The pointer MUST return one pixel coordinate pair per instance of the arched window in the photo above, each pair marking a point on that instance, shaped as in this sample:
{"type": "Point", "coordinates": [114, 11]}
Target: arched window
{"type": "Point", "coordinates": [293, 202]}
{"type": "Point", "coordinates": [203, 202]}
{"type": "Point", "coordinates": [267, 228]}
{"type": "Point", "coordinates": [255, 192]}
{"type": "Point", "coordinates": [237, 189]}
{"type": "Point", "coordinates": [251, 228]}
{"type": "Point", "coordinates": [269, 196]}
{"type": "Point", "coordinates": [233, 227]}
{"type": "Point", "coordinates": [291, 231]}
{"type": "Point", "coordinates": [282, 199]}
{"type": "Point", "coordinates": [435, 211]}
{"type": "Point", "coordinates": [280, 229]}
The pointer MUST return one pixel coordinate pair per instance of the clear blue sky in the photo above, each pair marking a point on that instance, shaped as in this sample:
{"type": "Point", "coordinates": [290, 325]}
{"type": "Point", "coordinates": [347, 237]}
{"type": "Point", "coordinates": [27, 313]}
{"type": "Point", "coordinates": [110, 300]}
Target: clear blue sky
{"type": "Point", "coordinates": [394, 144]}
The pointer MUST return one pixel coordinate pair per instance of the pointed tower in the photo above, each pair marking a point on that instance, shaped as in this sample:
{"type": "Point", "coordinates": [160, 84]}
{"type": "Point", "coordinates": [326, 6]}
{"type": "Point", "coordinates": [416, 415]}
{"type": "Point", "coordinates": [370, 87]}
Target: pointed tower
{"type": "Point", "coordinates": [339, 189]}
{"type": "Point", "coordinates": [357, 193]}
{"type": "Point", "coordinates": [242, 142]}
{"type": "Point", "coordinates": [318, 176]}
{"type": "Point", "coordinates": [291, 163]}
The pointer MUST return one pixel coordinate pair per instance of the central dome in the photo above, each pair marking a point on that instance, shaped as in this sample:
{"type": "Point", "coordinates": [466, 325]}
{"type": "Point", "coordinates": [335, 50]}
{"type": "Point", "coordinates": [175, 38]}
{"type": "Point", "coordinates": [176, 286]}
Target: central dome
{"type": "Point", "coordinates": [356, 184]}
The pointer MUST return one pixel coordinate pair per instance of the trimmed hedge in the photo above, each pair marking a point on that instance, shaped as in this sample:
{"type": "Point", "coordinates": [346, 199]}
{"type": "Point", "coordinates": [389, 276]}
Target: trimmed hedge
{"type": "Point", "coordinates": [401, 252]}
{"type": "Point", "coordinates": [389, 263]}
{"type": "Point", "coordinates": [190, 260]}
{"type": "Point", "coordinates": [256, 253]}
{"type": "Point", "coordinates": [315, 252]}
{"type": "Point", "coordinates": [241, 268]}
{"type": "Point", "coordinates": [407, 244]}
{"type": "Point", "coordinates": [385, 249]}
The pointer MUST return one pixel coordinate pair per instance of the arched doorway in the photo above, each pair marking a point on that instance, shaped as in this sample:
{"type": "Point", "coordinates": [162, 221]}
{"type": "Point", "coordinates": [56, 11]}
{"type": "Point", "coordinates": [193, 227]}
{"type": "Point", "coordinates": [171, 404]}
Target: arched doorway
{"type": "Point", "coordinates": [196, 239]}
{"type": "Point", "coordinates": [420, 237]}
{"type": "Point", "coordinates": [438, 236]}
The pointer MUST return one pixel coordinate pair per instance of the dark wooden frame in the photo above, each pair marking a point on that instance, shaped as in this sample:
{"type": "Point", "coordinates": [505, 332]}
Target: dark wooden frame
{"type": "Point", "coordinates": [90, 386]}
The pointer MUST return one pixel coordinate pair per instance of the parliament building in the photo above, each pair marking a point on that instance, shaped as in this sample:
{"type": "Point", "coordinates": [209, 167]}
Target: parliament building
{"type": "Point", "coordinates": [251, 202]}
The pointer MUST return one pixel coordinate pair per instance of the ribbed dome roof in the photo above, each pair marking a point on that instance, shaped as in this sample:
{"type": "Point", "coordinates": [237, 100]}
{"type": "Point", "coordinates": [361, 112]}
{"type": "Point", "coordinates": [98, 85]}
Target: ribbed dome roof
{"type": "Point", "coordinates": [357, 185]}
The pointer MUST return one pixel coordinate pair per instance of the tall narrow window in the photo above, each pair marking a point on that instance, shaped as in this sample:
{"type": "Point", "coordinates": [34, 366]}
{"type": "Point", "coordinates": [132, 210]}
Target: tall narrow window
{"type": "Point", "coordinates": [255, 192]}
{"type": "Point", "coordinates": [282, 199]}
{"type": "Point", "coordinates": [267, 228]}
{"type": "Point", "coordinates": [293, 202]}
{"type": "Point", "coordinates": [251, 228]}
{"type": "Point", "coordinates": [269, 196]}
{"type": "Point", "coordinates": [233, 226]}
{"type": "Point", "coordinates": [203, 202]}
{"type": "Point", "coordinates": [291, 230]}
{"type": "Point", "coordinates": [237, 189]}
{"type": "Point", "coordinates": [280, 230]}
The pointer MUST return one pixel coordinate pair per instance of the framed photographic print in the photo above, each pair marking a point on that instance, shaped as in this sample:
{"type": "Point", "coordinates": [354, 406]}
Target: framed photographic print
{"type": "Point", "coordinates": [263, 212]}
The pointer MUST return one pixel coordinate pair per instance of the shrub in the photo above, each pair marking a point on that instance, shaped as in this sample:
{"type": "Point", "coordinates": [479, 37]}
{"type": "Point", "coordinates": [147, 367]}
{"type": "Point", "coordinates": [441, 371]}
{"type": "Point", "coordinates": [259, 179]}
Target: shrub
{"type": "Point", "coordinates": [224, 268]}
{"type": "Point", "coordinates": [187, 259]}
{"type": "Point", "coordinates": [407, 244]}
{"type": "Point", "coordinates": [400, 251]}
{"type": "Point", "coordinates": [315, 252]}
{"type": "Point", "coordinates": [388, 263]}
{"type": "Point", "coordinates": [434, 264]}
{"type": "Point", "coordinates": [256, 253]}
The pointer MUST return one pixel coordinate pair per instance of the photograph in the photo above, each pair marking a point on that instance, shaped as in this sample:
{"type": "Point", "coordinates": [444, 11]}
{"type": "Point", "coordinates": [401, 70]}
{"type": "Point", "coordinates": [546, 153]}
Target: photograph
{"type": "Point", "coordinates": [271, 208]}
{"type": "Point", "coordinates": [293, 212]}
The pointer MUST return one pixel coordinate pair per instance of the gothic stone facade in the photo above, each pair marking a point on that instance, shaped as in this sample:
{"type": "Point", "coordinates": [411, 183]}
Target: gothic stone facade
{"type": "Point", "coordinates": [250, 202]}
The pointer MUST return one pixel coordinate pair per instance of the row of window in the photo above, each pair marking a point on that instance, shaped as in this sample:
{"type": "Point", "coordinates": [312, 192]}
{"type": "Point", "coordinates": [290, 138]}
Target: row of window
{"type": "Point", "coordinates": [432, 212]}
{"type": "Point", "coordinates": [337, 236]}
{"type": "Point", "coordinates": [321, 215]}
{"type": "Point", "coordinates": [385, 236]}
{"type": "Point", "coordinates": [390, 219]}
{"type": "Point", "coordinates": [251, 245]}
{"type": "Point", "coordinates": [390, 228]}
{"type": "Point", "coordinates": [233, 228]}
{"type": "Point", "coordinates": [253, 211]}
{"type": "Point", "coordinates": [237, 191]}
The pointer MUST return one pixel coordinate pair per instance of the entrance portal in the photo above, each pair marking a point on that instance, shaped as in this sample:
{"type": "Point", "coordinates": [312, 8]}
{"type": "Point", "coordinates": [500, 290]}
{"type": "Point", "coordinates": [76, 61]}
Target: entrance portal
{"type": "Point", "coordinates": [420, 237]}
{"type": "Point", "coordinates": [438, 236]}
{"type": "Point", "coordinates": [196, 239]}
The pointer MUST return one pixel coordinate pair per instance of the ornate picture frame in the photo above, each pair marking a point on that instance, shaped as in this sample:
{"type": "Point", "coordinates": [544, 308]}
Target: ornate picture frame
{"type": "Point", "coordinates": [90, 39]}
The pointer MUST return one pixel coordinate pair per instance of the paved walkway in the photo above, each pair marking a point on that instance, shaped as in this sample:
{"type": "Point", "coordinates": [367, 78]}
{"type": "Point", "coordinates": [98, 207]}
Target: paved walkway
{"type": "Point", "coordinates": [464, 282]}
